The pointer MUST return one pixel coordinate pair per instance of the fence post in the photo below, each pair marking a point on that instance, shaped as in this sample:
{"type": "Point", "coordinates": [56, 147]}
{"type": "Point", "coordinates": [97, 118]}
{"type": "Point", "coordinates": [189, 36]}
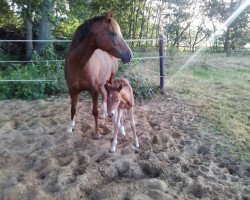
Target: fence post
{"type": "Point", "coordinates": [162, 75]}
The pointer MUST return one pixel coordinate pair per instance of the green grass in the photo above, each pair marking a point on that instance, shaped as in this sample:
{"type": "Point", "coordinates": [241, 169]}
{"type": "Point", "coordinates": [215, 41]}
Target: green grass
{"type": "Point", "coordinates": [202, 73]}
{"type": "Point", "coordinates": [218, 87]}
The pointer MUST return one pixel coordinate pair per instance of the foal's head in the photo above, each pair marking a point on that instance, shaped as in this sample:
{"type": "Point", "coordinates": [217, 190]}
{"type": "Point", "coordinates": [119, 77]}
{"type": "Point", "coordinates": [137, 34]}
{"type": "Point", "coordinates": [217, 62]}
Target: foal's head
{"type": "Point", "coordinates": [114, 98]}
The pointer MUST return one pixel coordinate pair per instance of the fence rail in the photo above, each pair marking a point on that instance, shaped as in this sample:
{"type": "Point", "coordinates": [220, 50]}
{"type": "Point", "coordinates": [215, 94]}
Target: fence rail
{"type": "Point", "coordinates": [127, 40]}
{"type": "Point", "coordinates": [67, 41]}
{"type": "Point", "coordinates": [44, 61]}
{"type": "Point", "coordinates": [160, 57]}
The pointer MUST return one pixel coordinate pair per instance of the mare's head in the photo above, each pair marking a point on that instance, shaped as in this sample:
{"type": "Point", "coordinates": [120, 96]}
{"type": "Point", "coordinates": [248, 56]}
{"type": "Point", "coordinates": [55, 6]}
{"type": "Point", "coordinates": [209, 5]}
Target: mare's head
{"type": "Point", "coordinates": [104, 34]}
{"type": "Point", "coordinates": [114, 98]}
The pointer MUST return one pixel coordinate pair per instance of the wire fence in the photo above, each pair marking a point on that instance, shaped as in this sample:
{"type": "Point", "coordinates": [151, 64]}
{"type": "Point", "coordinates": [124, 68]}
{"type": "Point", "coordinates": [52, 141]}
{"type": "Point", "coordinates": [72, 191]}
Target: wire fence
{"type": "Point", "coordinates": [141, 58]}
{"type": "Point", "coordinates": [143, 72]}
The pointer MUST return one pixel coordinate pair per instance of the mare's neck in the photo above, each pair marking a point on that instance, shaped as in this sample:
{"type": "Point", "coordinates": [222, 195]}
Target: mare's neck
{"type": "Point", "coordinates": [83, 51]}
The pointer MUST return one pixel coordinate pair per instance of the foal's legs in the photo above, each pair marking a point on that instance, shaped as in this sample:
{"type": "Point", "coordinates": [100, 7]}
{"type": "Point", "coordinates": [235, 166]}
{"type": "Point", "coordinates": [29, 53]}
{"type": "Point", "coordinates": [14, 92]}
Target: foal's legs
{"type": "Point", "coordinates": [96, 113]}
{"type": "Point", "coordinates": [104, 103]}
{"type": "Point", "coordinates": [122, 129]}
{"type": "Point", "coordinates": [132, 123]}
{"type": "Point", "coordinates": [74, 98]}
{"type": "Point", "coordinates": [117, 125]}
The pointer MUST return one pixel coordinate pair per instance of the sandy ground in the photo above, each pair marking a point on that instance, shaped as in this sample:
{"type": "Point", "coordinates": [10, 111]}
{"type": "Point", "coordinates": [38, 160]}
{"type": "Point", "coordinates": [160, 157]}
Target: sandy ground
{"type": "Point", "coordinates": [177, 159]}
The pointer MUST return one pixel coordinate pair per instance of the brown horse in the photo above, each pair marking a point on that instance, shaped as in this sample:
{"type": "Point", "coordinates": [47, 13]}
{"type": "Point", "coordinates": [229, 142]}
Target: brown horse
{"type": "Point", "coordinates": [92, 60]}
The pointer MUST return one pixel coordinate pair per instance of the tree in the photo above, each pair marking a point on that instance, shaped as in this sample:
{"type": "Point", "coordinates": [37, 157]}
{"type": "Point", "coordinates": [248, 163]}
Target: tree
{"type": "Point", "coordinates": [235, 35]}
{"type": "Point", "coordinates": [26, 8]}
{"type": "Point", "coordinates": [178, 20]}
{"type": "Point", "coordinates": [45, 10]}
{"type": "Point", "coordinates": [7, 16]}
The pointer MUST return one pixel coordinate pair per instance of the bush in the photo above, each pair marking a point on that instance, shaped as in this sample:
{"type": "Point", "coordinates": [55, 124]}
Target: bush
{"type": "Point", "coordinates": [32, 90]}
{"type": "Point", "coordinates": [38, 70]}
{"type": "Point", "coordinates": [143, 88]}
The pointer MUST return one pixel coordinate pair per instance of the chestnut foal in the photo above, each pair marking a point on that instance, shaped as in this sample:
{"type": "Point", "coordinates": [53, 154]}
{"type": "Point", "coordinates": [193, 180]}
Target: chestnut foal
{"type": "Point", "coordinates": [120, 97]}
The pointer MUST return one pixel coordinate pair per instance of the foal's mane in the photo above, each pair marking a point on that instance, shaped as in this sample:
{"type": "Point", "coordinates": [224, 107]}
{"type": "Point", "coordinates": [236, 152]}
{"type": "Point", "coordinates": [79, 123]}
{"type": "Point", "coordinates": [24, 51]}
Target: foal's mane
{"type": "Point", "coordinates": [84, 29]}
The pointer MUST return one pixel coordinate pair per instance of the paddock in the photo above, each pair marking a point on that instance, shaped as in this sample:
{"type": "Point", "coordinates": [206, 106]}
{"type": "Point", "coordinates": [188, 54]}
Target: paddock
{"type": "Point", "coordinates": [176, 158]}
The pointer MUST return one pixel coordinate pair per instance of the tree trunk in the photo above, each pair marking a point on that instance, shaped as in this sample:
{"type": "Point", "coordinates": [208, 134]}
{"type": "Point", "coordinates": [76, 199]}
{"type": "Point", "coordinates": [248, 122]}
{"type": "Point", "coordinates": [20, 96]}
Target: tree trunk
{"type": "Point", "coordinates": [196, 37]}
{"type": "Point", "coordinates": [132, 11]}
{"type": "Point", "coordinates": [143, 21]}
{"type": "Point", "coordinates": [159, 19]}
{"type": "Point", "coordinates": [153, 29]}
{"type": "Point", "coordinates": [149, 9]}
{"type": "Point", "coordinates": [135, 22]}
{"type": "Point", "coordinates": [226, 42]}
{"type": "Point", "coordinates": [44, 27]}
{"type": "Point", "coordinates": [179, 35]}
{"type": "Point", "coordinates": [216, 48]}
{"type": "Point", "coordinates": [29, 44]}
{"type": "Point", "coordinates": [190, 39]}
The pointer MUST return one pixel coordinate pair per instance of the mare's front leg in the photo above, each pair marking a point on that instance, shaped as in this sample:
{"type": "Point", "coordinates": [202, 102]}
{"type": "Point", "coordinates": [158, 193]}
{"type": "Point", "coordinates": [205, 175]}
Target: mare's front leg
{"type": "Point", "coordinates": [132, 123]}
{"type": "Point", "coordinates": [74, 98]}
{"type": "Point", "coordinates": [96, 113]}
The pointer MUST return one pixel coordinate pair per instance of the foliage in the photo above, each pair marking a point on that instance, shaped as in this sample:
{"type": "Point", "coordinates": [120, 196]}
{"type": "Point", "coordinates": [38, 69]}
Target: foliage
{"type": "Point", "coordinates": [7, 16]}
{"type": "Point", "coordinates": [38, 70]}
{"type": "Point", "coordinates": [30, 90]}
{"type": "Point", "coordinates": [143, 88]}
{"type": "Point", "coordinates": [237, 32]}
{"type": "Point", "coordinates": [138, 19]}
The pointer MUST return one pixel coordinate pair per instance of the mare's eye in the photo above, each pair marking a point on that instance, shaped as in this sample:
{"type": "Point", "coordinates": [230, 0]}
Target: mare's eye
{"type": "Point", "coordinates": [116, 100]}
{"type": "Point", "coordinates": [113, 34]}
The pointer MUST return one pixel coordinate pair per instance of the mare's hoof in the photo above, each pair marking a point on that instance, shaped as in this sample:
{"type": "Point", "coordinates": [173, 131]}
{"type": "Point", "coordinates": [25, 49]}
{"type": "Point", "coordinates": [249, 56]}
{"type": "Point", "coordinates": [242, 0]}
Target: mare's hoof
{"type": "Point", "coordinates": [97, 136]}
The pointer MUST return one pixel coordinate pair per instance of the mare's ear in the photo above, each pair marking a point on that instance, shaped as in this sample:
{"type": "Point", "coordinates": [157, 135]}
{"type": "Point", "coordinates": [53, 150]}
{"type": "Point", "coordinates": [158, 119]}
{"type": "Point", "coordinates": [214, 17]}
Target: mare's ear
{"type": "Point", "coordinates": [109, 15]}
{"type": "Point", "coordinates": [119, 88]}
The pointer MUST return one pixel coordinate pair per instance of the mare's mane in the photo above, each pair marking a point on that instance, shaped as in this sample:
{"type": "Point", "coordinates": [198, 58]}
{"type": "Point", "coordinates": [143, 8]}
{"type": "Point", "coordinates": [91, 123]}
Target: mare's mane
{"type": "Point", "coordinates": [84, 30]}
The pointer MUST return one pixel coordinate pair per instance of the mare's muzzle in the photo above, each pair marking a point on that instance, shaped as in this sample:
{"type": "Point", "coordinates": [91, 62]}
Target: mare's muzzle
{"type": "Point", "coordinates": [126, 57]}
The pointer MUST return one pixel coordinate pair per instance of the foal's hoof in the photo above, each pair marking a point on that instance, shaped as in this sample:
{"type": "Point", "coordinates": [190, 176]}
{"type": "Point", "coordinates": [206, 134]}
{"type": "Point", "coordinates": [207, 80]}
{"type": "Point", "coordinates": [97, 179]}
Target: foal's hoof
{"type": "Point", "coordinates": [112, 150]}
{"type": "Point", "coordinates": [69, 130]}
{"type": "Point", "coordinates": [97, 136]}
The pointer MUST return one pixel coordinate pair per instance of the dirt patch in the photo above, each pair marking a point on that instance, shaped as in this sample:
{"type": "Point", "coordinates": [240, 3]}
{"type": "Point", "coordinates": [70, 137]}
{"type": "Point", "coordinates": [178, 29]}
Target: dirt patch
{"type": "Point", "coordinates": [176, 158]}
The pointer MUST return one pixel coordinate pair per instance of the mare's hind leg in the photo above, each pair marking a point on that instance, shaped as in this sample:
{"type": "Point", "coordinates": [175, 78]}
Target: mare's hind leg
{"type": "Point", "coordinates": [96, 113]}
{"type": "Point", "coordinates": [132, 123]}
{"type": "Point", "coordinates": [74, 98]}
